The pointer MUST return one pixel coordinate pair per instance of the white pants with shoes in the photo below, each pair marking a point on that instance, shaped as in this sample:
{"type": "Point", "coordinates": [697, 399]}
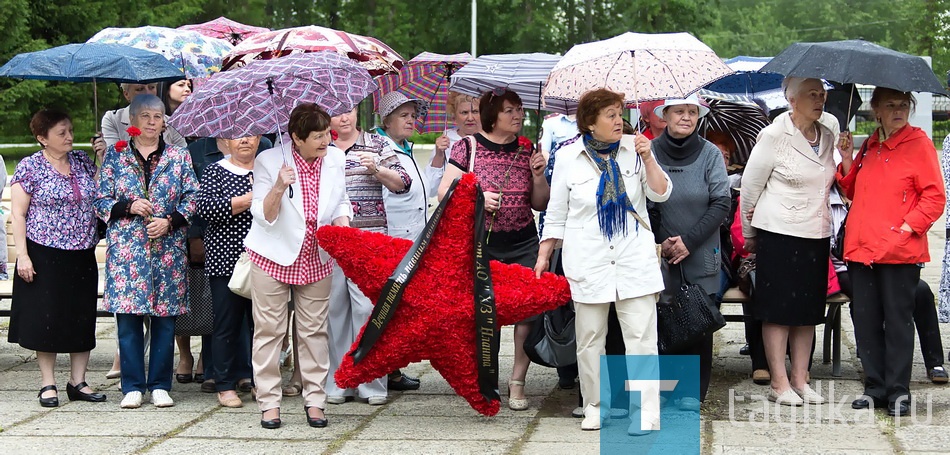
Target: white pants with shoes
{"type": "Point", "coordinates": [349, 311]}
{"type": "Point", "coordinates": [638, 323]}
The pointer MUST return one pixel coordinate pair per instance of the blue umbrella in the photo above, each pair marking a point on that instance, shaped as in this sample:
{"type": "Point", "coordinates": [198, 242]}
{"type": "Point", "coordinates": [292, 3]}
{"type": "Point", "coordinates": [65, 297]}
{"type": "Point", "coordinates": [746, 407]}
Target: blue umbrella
{"type": "Point", "coordinates": [92, 62]}
{"type": "Point", "coordinates": [765, 87]}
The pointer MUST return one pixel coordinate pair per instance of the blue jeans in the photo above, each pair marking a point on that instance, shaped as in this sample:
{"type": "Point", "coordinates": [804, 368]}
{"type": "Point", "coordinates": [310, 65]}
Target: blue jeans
{"type": "Point", "coordinates": [132, 352]}
{"type": "Point", "coordinates": [231, 347]}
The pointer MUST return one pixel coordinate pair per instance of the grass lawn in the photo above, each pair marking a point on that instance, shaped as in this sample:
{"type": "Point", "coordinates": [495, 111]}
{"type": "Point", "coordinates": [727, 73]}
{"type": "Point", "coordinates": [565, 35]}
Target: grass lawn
{"type": "Point", "coordinates": [12, 156]}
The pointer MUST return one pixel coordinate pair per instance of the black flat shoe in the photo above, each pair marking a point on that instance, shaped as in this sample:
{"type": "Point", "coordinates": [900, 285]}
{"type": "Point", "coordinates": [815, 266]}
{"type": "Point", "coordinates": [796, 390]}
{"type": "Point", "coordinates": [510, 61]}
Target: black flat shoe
{"type": "Point", "coordinates": [199, 378]}
{"type": "Point", "coordinates": [50, 402]}
{"type": "Point", "coordinates": [184, 378]}
{"type": "Point", "coordinates": [399, 381]}
{"type": "Point", "coordinates": [272, 424]}
{"type": "Point", "coordinates": [901, 408]}
{"type": "Point", "coordinates": [245, 385]}
{"type": "Point", "coordinates": [75, 393]}
{"type": "Point", "coordinates": [315, 422]}
{"type": "Point", "coordinates": [865, 402]}
{"type": "Point", "coordinates": [744, 350]}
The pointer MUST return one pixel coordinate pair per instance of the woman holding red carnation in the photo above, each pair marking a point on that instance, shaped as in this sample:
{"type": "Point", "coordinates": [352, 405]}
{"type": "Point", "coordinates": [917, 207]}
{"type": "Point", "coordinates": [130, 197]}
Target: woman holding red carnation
{"type": "Point", "coordinates": [511, 171]}
{"type": "Point", "coordinates": [146, 195]}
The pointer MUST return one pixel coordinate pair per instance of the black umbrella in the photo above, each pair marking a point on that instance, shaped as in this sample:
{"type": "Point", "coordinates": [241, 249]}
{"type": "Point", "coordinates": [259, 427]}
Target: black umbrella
{"type": "Point", "coordinates": [857, 62]}
{"type": "Point", "coordinates": [843, 102]}
{"type": "Point", "coordinates": [737, 115]}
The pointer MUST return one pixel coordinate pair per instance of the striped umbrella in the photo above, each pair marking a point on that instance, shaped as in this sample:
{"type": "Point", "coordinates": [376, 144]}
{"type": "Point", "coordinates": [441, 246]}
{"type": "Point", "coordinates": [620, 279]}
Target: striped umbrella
{"type": "Point", "coordinates": [641, 66]}
{"type": "Point", "coordinates": [737, 115]}
{"type": "Point", "coordinates": [523, 74]}
{"type": "Point", "coordinates": [425, 77]}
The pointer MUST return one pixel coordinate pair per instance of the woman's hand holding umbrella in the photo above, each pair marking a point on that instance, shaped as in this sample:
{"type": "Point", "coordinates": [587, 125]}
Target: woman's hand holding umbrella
{"type": "Point", "coordinates": [441, 145]}
{"type": "Point", "coordinates": [846, 150]}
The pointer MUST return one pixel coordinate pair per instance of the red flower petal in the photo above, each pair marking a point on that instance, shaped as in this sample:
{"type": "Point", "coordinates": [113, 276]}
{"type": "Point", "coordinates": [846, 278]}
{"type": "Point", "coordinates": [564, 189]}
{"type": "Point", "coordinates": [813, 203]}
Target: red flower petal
{"type": "Point", "coordinates": [133, 131]}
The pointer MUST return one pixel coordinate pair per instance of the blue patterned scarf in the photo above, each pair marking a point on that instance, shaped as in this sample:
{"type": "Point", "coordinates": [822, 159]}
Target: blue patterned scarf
{"type": "Point", "coordinates": [612, 200]}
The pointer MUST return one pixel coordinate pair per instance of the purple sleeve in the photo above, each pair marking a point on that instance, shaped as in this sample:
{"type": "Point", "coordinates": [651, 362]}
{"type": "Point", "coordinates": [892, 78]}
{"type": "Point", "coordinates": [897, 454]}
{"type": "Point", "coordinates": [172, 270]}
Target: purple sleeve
{"type": "Point", "coordinates": [24, 175]}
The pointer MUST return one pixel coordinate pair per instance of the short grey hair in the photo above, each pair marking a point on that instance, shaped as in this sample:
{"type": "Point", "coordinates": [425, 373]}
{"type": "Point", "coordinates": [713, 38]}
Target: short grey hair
{"type": "Point", "coordinates": [791, 85]}
{"type": "Point", "coordinates": [145, 102]}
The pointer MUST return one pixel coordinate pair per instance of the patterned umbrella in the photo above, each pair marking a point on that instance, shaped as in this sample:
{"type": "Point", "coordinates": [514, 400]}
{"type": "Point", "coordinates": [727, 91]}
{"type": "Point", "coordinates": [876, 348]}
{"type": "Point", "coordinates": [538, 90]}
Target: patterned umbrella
{"type": "Point", "coordinates": [425, 77]}
{"type": "Point", "coordinates": [258, 98]}
{"type": "Point", "coordinates": [369, 52]}
{"type": "Point", "coordinates": [737, 115]}
{"type": "Point", "coordinates": [197, 55]}
{"type": "Point", "coordinates": [226, 29]}
{"type": "Point", "coordinates": [641, 66]}
{"type": "Point", "coordinates": [523, 74]}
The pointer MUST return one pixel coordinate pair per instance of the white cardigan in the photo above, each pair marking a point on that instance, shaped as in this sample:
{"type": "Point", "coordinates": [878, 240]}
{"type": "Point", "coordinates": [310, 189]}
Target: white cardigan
{"type": "Point", "coordinates": [598, 270]}
{"type": "Point", "coordinates": [281, 240]}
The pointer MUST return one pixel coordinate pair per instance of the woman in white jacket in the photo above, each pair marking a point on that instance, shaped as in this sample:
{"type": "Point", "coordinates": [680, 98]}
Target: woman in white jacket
{"type": "Point", "coordinates": [608, 250]}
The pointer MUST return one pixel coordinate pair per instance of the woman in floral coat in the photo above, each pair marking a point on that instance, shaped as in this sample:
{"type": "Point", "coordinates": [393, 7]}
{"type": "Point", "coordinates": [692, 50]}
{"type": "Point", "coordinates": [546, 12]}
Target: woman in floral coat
{"type": "Point", "coordinates": [146, 194]}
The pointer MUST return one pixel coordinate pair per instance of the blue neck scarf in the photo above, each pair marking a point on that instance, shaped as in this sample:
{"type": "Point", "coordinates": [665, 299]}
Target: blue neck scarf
{"type": "Point", "coordinates": [612, 200]}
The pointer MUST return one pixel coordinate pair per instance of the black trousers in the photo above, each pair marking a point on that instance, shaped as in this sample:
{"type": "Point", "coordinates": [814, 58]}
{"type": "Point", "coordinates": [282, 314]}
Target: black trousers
{"type": "Point", "coordinates": [231, 351]}
{"type": "Point", "coordinates": [884, 300]}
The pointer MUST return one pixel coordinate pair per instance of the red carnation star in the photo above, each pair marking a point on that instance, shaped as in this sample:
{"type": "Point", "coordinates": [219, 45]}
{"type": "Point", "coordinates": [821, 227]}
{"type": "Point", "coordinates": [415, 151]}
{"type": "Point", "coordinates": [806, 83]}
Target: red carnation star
{"type": "Point", "coordinates": [435, 319]}
{"type": "Point", "coordinates": [133, 131]}
{"type": "Point", "coordinates": [121, 145]}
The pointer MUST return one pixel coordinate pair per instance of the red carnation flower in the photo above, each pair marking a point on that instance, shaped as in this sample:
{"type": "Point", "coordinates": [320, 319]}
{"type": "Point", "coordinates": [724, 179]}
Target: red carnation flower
{"type": "Point", "coordinates": [525, 143]}
{"type": "Point", "coordinates": [121, 145]}
{"type": "Point", "coordinates": [334, 135]}
{"type": "Point", "coordinates": [133, 131]}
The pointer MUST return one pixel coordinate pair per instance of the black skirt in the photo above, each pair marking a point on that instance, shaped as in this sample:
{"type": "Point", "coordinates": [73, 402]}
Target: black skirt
{"type": "Point", "coordinates": [57, 311]}
{"type": "Point", "coordinates": [791, 279]}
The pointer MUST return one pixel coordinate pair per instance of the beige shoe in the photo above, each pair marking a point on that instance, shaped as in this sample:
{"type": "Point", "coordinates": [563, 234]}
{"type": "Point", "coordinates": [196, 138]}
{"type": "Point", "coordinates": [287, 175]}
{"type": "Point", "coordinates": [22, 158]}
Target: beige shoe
{"type": "Point", "coordinates": [231, 402]}
{"type": "Point", "coordinates": [516, 404]}
{"type": "Point", "coordinates": [809, 396]}
{"type": "Point", "coordinates": [761, 377]}
{"type": "Point", "coordinates": [786, 398]}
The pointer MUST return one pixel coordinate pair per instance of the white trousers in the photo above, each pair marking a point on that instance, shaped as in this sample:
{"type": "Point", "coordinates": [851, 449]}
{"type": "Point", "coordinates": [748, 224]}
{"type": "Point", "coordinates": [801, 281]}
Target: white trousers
{"type": "Point", "coordinates": [349, 311]}
{"type": "Point", "coordinates": [638, 323]}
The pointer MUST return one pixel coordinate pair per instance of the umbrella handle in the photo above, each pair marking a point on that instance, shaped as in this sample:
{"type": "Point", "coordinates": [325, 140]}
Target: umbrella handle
{"type": "Point", "coordinates": [280, 137]}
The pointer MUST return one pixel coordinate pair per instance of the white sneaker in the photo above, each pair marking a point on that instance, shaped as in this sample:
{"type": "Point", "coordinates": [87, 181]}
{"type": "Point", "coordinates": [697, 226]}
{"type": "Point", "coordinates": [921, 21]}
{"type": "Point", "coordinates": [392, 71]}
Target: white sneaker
{"type": "Point", "coordinates": [131, 400]}
{"type": "Point", "coordinates": [336, 399]}
{"type": "Point", "coordinates": [377, 401]}
{"type": "Point", "coordinates": [161, 399]}
{"type": "Point", "coordinates": [592, 418]}
{"type": "Point", "coordinates": [689, 404]}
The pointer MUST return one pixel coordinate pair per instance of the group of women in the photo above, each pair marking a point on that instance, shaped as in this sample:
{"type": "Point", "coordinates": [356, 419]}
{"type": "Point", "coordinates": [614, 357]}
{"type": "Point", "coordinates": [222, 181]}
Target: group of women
{"type": "Point", "coordinates": [270, 205]}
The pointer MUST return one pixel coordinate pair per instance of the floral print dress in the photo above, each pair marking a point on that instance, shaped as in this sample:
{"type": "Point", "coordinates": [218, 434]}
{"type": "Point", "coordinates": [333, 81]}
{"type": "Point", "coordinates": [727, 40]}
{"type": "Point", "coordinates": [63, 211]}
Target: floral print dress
{"type": "Point", "coordinates": [143, 276]}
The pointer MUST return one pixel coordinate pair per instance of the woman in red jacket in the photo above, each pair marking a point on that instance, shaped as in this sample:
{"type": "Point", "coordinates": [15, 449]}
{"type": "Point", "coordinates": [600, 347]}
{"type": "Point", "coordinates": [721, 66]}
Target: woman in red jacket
{"type": "Point", "coordinates": [897, 191]}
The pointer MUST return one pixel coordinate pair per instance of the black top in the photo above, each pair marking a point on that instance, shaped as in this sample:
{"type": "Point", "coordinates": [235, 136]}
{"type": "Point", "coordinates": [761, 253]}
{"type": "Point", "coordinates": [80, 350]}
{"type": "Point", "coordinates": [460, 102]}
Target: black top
{"type": "Point", "coordinates": [224, 238]}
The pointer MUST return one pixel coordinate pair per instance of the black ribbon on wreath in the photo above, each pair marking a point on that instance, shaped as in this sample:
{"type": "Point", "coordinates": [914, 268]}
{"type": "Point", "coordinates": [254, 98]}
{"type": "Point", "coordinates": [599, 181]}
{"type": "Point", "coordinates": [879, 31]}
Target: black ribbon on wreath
{"type": "Point", "coordinates": [486, 322]}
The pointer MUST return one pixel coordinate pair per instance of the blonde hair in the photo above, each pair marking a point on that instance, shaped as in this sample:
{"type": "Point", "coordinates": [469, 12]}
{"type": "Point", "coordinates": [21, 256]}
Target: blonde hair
{"type": "Point", "coordinates": [456, 98]}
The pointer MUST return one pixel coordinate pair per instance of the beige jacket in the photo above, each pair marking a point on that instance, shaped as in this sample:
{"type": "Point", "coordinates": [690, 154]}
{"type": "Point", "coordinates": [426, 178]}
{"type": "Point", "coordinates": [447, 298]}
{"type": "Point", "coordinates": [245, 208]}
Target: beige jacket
{"type": "Point", "coordinates": [787, 183]}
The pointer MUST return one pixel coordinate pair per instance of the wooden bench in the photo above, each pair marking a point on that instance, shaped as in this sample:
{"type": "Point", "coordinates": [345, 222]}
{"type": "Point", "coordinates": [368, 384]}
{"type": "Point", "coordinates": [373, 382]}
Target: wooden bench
{"type": "Point", "coordinates": [831, 347]}
{"type": "Point", "coordinates": [6, 286]}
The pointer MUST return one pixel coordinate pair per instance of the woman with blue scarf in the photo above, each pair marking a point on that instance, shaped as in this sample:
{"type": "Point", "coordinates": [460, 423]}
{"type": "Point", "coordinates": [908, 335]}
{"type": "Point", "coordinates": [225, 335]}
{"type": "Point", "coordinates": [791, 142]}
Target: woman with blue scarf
{"type": "Point", "coordinates": [597, 215]}
{"type": "Point", "coordinates": [688, 226]}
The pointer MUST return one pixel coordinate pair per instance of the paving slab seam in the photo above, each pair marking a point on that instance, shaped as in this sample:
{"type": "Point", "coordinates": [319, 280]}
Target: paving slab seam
{"type": "Point", "coordinates": [335, 445]}
{"type": "Point", "coordinates": [517, 447]}
{"type": "Point", "coordinates": [175, 431]}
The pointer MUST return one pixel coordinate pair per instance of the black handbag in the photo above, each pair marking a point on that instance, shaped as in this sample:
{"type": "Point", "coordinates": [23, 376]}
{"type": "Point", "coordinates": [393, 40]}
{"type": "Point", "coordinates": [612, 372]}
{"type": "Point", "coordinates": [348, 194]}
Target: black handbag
{"type": "Point", "coordinates": [688, 318]}
{"type": "Point", "coordinates": [552, 341]}
{"type": "Point", "coordinates": [199, 320]}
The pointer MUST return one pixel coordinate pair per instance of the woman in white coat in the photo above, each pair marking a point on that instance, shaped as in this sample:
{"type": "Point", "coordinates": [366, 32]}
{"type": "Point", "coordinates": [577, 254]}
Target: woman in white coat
{"type": "Point", "coordinates": [608, 249]}
{"type": "Point", "coordinates": [297, 188]}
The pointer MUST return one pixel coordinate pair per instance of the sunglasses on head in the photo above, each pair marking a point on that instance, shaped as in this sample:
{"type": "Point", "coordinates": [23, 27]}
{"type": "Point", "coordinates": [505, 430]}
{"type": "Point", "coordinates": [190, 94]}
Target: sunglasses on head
{"type": "Point", "coordinates": [497, 91]}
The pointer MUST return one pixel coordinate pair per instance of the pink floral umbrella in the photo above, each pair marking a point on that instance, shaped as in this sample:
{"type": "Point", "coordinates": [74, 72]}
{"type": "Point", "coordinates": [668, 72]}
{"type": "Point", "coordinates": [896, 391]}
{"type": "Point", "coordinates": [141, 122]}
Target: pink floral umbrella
{"type": "Point", "coordinates": [370, 53]}
{"type": "Point", "coordinates": [226, 29]}
{"type": "Point", "coordinates": [641, 66]}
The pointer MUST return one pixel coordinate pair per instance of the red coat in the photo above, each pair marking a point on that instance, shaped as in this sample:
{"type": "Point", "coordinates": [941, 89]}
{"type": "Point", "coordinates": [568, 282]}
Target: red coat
{"type": "Point", "coordinates": [898, 181]}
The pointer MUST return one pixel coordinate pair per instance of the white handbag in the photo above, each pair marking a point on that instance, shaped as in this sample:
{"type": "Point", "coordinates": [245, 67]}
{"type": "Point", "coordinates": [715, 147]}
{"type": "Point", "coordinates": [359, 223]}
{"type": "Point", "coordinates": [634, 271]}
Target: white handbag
{"type": "Point", "coordinates": [240, 282]}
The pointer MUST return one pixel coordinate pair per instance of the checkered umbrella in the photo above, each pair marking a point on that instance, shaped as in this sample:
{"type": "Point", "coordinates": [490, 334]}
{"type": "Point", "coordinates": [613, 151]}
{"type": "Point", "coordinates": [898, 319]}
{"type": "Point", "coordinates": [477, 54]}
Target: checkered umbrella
{"type": "Point", "coordinates": [226, 29]}
{"type": "Point", "coordinates": [425, 77]}
{"type": "Point", "coordinates": [369, 52]}
{"type": "Point", "coordinates": [258, 98]}
{"type": "Point", "coordinates": [197, 55]}
{"type": "Point", "coordinates": [737, 115]}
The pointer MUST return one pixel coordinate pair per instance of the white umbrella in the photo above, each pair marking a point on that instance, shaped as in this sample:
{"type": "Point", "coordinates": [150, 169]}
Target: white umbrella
{"type": "Point", "coordinates": [641, 66]}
